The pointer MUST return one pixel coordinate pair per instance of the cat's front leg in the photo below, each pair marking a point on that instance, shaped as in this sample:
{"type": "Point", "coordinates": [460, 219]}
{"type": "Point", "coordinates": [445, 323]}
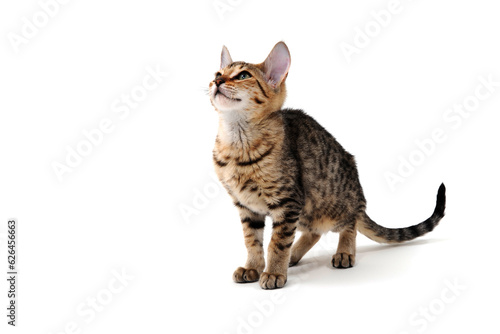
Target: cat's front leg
{"type": "Point", "coordinates": [253, 232]}
{"type": "Point", "coordinates": [285, 222]}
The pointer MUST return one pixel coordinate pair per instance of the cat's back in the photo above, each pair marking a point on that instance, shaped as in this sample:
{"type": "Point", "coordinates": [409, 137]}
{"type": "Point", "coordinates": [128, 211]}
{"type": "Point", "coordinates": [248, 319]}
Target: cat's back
{"type": "Point", "coordinates": [307, 138]}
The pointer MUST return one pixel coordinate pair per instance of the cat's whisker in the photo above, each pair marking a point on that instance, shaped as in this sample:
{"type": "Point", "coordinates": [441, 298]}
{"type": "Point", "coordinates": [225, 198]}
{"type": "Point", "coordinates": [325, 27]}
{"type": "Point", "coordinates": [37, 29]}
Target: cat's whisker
{"type": "Point", "coordinates": [205, 90]}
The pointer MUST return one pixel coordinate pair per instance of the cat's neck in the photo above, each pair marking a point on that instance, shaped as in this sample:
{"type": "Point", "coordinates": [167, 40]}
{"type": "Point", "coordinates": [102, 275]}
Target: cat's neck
{"type": "Point", "coordinates": [240, 131]}
{"type": "Point", "coordinates": [235, 128]}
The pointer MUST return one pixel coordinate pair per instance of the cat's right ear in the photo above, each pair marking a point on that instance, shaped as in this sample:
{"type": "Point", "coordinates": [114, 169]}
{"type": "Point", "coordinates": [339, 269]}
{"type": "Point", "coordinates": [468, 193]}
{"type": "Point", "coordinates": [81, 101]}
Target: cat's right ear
{"type": "Point", "coordinates": [225, 58]}
{"type": "Point", "coordinates": [277, 64]}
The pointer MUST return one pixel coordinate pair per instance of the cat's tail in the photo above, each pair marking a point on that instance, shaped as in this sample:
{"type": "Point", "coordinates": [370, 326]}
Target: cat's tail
{"type": "Point", "coordinates": [395, 235]}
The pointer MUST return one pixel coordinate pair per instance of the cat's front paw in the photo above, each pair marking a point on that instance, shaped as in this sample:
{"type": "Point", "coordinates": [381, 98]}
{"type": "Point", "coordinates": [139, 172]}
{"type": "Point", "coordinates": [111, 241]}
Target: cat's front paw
{"type": "Point", "coordinates": [343, 260]}
{"type": "Point", "coordinates": [272, 281]}
{"type": "Point", "coordinates": [243, 275]}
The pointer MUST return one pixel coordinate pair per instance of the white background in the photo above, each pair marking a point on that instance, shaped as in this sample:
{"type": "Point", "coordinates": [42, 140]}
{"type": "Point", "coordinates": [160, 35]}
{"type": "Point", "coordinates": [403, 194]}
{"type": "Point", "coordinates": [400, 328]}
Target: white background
{"type": "Point", "coordinates": [120, 208]}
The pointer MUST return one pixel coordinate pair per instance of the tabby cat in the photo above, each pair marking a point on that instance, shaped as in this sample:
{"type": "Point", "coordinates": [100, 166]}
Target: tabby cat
{"type": "Point", "coordinates": [281, 163]}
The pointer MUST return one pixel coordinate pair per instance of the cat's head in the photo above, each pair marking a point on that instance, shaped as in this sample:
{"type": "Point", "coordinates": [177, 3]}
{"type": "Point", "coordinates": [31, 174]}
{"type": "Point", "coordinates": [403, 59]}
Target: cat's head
{"type": "Point", "coordinates": [251, 89]}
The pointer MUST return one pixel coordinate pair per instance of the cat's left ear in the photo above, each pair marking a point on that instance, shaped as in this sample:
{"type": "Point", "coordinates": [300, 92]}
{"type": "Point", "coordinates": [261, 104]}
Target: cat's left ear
{"type": "Point", "coordinates": [225, 57]}
{"type": "Point", "coordinates": [277, 64]}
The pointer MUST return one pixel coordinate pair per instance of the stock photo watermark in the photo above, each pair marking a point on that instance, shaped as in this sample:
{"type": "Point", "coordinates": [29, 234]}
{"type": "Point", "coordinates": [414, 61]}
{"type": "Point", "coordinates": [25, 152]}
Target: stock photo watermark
{"type": "Point", "coordinates": [222, 7]}
{"type": "Point", "coordinates": [122, 107]}
{"type": "Point", "coordinates": [11, 240]}
{"type": "Point", "coordinates": [200, 200]}
{"type": "Point", "coordinates": [33, 24]}
{"type": "Point", "coordinates": [264, 309]}
{"type": "Point", "coordinates": [88, 310]}
{"type": "Point", "coordinates": [363, 36]}
{"type": "Point", "coordinates": [261, 311]}
{"type": "Point", "coordinates": [426, 314]}
{"type": "Point", "coordinates": [453, 118]}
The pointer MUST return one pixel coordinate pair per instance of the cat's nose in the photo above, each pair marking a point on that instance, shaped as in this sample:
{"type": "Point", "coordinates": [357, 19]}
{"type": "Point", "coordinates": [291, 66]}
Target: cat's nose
{"type": "Point", "coordinates": [219, 82]}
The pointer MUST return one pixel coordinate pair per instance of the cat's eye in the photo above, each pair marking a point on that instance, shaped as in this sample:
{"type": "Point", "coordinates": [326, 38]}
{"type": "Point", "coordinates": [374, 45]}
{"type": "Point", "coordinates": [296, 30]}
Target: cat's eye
{"type": "Point", "coordinates": [243, 75]}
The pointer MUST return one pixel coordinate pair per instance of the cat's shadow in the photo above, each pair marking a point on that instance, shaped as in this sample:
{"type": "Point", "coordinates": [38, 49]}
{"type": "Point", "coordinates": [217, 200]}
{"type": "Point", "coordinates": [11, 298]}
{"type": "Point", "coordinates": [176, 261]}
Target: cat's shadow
{"type": "Point", "coordinates": [373, 262]}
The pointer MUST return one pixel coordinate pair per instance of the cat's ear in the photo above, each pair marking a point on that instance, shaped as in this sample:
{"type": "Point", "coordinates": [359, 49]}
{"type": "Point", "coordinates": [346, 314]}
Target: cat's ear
{"type": "Point", "coordinates": [277, 64]}
{"type": "Point", "coordinates": [225, 58]}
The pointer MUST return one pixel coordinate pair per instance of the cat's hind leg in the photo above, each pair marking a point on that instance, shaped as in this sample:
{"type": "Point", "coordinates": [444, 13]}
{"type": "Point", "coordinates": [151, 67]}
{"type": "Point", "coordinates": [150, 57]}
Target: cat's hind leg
{"type": "Point", "coordinates": [306, 241]}
{"type": "Point", "coordinates": [346, 250]}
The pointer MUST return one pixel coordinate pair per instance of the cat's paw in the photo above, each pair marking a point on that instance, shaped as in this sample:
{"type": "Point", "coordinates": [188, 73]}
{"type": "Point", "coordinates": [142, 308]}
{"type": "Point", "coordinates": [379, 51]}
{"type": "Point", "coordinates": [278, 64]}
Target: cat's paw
{"type": "Point", "coordinates": [272, 281]}
{"type": "Point", "coordinates": [343, 260]}
{"type": "Point", "coordinates": [243, 275]}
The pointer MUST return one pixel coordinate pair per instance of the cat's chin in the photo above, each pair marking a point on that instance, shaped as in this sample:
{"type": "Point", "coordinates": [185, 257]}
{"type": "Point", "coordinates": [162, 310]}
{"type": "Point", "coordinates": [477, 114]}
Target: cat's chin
{"type": "Point", "coordinates": [222, 102]}
{"type": "Point", "coordinates": [222, 96]}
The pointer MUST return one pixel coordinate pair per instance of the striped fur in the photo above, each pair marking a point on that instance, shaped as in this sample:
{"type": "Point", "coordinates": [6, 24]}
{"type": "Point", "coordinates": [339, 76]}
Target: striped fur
{"type": "Point", "coordinates": [396, 235]}
{"type": "Point", "coordinates": [281, 163]}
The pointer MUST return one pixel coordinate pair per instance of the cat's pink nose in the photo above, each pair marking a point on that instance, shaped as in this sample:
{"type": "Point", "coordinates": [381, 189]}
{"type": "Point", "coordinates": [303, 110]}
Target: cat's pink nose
{"type": "Point", "coordinates": [219, 82]}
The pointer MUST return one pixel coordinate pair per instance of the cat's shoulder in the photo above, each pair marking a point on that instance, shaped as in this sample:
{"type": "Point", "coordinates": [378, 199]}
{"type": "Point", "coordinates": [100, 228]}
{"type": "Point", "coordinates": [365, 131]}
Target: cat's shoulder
{"type": "Point", "coordinates": [293, 114]}
{"type": "Point", "coordinates": [299, 118]}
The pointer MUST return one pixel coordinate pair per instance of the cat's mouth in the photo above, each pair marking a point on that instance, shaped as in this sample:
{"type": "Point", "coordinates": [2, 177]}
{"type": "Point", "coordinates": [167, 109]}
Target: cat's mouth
{"type": "Point", "coordinates": [218, 92]}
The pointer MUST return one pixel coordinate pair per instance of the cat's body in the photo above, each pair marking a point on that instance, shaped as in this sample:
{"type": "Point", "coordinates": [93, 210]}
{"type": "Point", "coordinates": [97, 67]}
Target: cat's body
{"type": "Point", "coordinates": [283, 164]}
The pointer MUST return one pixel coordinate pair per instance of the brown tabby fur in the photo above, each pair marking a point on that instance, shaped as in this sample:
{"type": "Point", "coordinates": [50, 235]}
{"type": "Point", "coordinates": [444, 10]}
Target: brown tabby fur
{"type": "Point", "coordinates": [283, 164]}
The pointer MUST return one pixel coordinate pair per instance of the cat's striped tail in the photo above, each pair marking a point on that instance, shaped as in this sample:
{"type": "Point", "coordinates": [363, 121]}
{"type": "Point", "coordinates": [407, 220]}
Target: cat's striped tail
{"type": "Point", "coordinates": [395, 235]}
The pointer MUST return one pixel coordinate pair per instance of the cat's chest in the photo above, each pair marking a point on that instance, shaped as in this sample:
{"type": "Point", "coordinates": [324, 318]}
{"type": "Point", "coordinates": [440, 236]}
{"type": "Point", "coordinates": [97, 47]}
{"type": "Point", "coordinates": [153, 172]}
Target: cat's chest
{"type": "Point", "coordinates": [248, 188]}
{"type": "Point", "coordinates": [250, 172]}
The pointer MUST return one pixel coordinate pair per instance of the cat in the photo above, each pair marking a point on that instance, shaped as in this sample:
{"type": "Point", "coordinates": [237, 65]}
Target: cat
{"type": "Point", "coordinates": [283, 164]}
